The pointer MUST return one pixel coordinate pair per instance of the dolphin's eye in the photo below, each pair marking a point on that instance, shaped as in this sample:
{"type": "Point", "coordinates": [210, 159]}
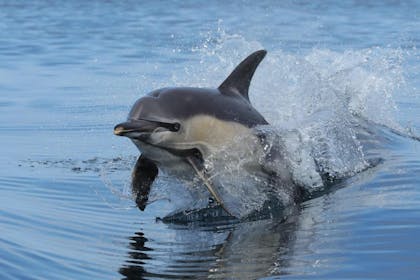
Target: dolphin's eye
{"type": "Point", "coordinates": [175, 127]}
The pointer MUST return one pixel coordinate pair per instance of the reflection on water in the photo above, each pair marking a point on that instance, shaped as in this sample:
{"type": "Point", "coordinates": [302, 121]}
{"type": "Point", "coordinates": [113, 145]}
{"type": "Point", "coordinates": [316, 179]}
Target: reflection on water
{"type": "Point", "coordinates": [137, 258]}
{"type": "Point", "coordinates": [224, 251]}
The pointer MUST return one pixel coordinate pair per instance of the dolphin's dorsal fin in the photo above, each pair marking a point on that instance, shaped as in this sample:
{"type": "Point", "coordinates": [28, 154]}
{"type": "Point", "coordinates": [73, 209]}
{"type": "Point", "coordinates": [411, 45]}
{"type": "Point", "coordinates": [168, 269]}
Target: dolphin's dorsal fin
{"type": "Point", "coordinates": [240, 79]}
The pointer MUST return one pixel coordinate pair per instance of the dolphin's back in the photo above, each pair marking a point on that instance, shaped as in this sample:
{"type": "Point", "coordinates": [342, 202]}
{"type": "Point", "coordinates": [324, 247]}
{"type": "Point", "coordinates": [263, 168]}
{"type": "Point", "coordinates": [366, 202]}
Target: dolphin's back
{"type": "Point", "coordinates": [184, 103]}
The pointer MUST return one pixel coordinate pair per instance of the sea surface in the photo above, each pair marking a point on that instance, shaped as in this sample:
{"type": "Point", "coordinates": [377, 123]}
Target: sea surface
{"type": "Point", "coordinates": [343, 75]}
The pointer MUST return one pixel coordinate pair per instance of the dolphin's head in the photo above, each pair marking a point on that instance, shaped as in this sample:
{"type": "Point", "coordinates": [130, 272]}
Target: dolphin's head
{"type": "Point", "coordinates": [159, 120]}
{"type": "Point", "coordinates": [184, 120]}
{"type": "Point", "coordinates": [148, 117]}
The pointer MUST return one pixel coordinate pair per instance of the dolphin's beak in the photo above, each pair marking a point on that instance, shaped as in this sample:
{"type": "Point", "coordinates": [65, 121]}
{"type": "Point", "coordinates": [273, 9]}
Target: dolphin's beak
{"type": "Point", "coordinates": [134, 128]}
{"type": "Point", "coordinates": [119, 129]}
{"type": "Point", "coordinates": [129, 128]}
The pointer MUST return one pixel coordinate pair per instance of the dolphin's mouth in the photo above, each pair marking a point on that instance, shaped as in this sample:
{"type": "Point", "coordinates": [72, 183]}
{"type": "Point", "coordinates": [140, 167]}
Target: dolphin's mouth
{"type": "Point", "coordinates": [138, 127]}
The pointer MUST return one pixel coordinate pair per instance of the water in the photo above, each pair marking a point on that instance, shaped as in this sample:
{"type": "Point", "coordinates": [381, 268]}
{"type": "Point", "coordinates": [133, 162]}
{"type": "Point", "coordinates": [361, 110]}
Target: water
{"type": "Point", "coordinates": [70, 71]}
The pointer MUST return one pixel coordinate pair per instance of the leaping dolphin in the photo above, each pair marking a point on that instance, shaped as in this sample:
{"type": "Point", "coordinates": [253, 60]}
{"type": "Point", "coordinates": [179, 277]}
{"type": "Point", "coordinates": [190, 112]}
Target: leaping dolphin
{"type": "Point", "coordinates": [186, 125]}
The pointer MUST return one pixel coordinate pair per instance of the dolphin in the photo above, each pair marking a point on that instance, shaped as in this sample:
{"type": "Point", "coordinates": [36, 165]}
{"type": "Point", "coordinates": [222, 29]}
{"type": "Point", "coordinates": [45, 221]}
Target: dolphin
{"type": "Point", "coordinates": [178, 129]}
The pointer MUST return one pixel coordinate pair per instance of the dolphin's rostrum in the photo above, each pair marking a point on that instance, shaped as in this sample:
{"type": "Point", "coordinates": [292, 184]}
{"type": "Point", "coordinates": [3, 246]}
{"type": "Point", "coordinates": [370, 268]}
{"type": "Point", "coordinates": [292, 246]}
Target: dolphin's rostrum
{"type": "Point", "coordinates": [189, 124]}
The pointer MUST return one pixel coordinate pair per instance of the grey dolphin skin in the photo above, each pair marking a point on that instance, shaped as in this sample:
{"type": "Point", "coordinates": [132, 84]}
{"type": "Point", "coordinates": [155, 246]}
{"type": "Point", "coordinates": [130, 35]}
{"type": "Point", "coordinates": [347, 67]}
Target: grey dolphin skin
{"type": "Point", "coordinates": [186, 124]}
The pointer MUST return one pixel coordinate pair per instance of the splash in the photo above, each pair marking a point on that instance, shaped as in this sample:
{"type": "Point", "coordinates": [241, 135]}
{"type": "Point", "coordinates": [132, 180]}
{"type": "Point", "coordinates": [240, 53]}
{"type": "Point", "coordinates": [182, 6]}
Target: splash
{"type": "Point", "coordinates": [317, 103]}
{"type": "Point", "coordinates": [320, 106]}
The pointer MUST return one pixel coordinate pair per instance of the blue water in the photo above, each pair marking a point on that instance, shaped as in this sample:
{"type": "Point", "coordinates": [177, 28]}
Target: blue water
{"type": "Point", "coordinates": [69, 71]}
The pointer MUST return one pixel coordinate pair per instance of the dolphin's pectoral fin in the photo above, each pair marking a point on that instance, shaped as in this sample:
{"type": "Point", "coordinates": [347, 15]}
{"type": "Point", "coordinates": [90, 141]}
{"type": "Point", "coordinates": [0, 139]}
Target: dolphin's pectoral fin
{"type": "Point", "coordinates": [239, 80]}
{"type": "Point", "coordinates": [143, 175]}
{"type": "Point", "coordinates": [197, 166]}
